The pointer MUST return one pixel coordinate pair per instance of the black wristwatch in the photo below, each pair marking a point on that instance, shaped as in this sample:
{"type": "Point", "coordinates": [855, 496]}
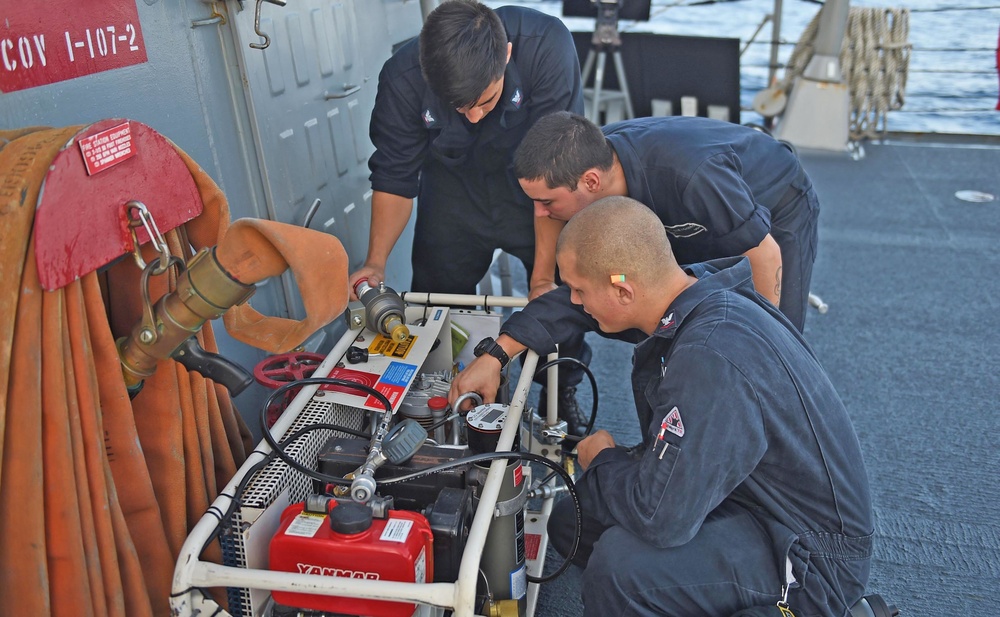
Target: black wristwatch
{"type": "Point", "coordinates": [491, 347]}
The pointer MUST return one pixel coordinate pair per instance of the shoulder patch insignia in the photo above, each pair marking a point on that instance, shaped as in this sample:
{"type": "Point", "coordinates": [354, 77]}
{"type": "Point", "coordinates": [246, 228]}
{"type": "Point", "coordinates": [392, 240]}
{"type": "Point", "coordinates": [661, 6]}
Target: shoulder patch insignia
{"type": "Point", "coordinates": [685, 230]}
{"type": "Point", "coordinates": [673, 422]}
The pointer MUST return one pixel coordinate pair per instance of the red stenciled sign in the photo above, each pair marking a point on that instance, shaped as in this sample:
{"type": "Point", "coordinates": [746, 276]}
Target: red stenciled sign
{"type": "Point", "coordinates": [392, 392]}
{"type": "Point", "coordinates": [107, 148]}
{"type": "Point", "coordinates": [45, 42]}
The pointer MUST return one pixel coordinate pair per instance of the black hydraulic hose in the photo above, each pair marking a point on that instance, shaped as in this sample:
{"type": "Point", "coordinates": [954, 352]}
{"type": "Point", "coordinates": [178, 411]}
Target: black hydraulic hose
{"type": "Point", "coordinates": [288, 460]}
{"type": "Point", "coordinates": [529, 456]}
{"type": "Point", "coordinates": [590, 376]}
{"type": "Point", "coordinates": [277, 449]}
{"type": "Point", "coordinates": [236, 497]}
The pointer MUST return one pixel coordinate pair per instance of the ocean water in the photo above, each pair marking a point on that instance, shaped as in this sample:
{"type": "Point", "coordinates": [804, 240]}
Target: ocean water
{"type": "Point", "coordinates": [952, 84]}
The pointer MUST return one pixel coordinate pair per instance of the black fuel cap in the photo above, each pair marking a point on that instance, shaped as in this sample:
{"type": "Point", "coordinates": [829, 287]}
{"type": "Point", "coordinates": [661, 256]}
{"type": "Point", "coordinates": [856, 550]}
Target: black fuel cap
{"type": "Point", "coordinates": [350, 517]}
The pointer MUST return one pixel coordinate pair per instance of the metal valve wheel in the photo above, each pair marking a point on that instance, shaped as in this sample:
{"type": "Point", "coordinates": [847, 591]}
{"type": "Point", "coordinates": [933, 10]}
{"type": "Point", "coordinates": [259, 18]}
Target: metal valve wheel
{"type": "Point", "coordinates": [275, 371]}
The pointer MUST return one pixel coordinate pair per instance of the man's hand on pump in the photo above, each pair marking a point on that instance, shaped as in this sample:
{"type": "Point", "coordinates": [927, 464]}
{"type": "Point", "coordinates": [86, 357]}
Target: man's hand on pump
{"type": "Point", "coordinates": [482, 375]}
{"type": "Point", "coordinates": [374, 273]}
{"type": "Point", "coordinates": [390, 214]}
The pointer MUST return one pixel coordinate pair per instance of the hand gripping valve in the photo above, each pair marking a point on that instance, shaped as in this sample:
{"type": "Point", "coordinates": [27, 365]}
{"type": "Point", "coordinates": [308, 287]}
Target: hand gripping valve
{"type": "Point", "coordinates": [383, 310]}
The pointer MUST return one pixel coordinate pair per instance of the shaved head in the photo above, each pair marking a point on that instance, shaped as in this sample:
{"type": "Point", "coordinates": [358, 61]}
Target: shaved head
{"type": "Point", "coordinates": [618, 235]}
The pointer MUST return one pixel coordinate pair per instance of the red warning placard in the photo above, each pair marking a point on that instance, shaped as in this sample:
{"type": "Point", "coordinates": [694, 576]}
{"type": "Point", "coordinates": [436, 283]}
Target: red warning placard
{"type": "Point", "coordinates": [532, 542]}
{"type": "Point", "coordinates": [46, 42]}
{"type": "Point", "coordinates": [346, 374]}
{"type": "Point", "coordinates": [107, 148]}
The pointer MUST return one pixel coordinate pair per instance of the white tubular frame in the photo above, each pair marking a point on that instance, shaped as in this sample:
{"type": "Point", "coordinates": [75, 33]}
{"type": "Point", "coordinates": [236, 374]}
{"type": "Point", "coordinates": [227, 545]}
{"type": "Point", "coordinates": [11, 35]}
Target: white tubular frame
{"type": "Point", "coordinates": [486, 301]}
{"type": "Point", "coordinates": [191, 574]}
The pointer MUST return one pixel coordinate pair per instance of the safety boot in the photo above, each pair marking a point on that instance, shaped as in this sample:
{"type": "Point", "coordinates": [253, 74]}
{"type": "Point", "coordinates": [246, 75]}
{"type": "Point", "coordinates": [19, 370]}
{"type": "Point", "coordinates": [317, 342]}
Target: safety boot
{"type": "Point", "coordinates": [568, 410]}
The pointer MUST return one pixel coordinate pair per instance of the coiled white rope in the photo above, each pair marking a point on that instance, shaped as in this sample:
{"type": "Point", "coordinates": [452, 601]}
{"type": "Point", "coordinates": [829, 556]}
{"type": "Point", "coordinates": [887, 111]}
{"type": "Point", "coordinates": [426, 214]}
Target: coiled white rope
{"type": "Point", "coordinates": [874, 60]}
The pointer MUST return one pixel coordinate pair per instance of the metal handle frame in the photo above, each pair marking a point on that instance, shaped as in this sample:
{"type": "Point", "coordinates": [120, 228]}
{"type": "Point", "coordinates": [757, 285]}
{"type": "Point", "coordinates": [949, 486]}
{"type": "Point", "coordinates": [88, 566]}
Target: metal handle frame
{"type": "Point", "coordinates": [191, 574]}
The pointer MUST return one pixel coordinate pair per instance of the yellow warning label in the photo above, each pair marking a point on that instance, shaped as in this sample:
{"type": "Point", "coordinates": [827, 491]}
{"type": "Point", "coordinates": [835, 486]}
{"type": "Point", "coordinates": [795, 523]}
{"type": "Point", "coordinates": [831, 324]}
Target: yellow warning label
{"type": "Point", "coordinates": [390, 349]}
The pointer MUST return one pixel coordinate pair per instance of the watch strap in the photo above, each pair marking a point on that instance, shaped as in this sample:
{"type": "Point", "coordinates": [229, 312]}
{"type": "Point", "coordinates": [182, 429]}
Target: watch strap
{"type": "Point", "coordinates": [491, 347]}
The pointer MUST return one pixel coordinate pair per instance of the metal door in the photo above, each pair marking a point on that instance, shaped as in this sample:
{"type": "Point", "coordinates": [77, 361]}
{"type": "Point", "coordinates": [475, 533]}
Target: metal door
{"type": "Point", "coordinates": [310, 92]}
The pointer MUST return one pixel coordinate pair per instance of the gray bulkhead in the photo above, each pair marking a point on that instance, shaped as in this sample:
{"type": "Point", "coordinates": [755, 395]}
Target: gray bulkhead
{"type": "Point", "coordinates": [275, 128]}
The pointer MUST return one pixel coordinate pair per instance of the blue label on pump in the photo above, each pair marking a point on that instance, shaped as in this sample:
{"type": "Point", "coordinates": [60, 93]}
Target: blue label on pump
{"type": "Point", "coordinates": [519, 583]}
{"type": "Point", "coordinates": [398, 374]}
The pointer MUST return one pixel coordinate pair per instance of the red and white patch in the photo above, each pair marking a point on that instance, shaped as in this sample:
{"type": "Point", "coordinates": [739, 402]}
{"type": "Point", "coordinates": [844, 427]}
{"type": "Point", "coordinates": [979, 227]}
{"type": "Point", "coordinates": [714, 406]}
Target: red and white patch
{"type": "Point", "coordinates": [667, 321]}
{"type": "Point", "coordinates": [673, 422]}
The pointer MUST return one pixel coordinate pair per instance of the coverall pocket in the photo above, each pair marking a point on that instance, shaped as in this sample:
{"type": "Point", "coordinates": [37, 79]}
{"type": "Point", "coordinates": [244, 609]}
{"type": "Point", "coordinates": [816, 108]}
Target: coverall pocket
{"type": "Point", "coordinates": [657, 464]}
{"type": "Point", "coordinates": [452, 146]}
{"type": "Point", "coordinates": [797, 559]}
{"type": "Point", "coordinates": [788, 552]}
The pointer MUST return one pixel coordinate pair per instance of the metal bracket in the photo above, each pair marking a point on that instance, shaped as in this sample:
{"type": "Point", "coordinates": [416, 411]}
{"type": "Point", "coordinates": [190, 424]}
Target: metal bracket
{"type": "Point", "coordinates": [215, 18]}
{"type": "Point", "coordinates": [256, 24]}
{"type": "Point", "coordinates": [512, 505]}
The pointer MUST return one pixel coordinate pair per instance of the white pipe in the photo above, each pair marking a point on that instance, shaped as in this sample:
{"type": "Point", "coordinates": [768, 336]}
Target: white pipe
{"type": "Point", "coordinates": [534, 588]}
{"type": "Point", "coordinates": [213, 575]}
{"type": "Point", "coordinates": [426, 6]}
{"type": "Point", "coordinates": [188, 561]}
{"type": "Point", "coordinates": [824, 66]}
{"type": "Point", "coordinates": [772, 65]}
{"type": "Point", "coordinates": [832, 25]}
{"type": "Point", "coordinates": [552, 391]}
{"type": "Point", "coordinates": [468, 572]}
{"type": "Point", "coordinates": [486, 301]}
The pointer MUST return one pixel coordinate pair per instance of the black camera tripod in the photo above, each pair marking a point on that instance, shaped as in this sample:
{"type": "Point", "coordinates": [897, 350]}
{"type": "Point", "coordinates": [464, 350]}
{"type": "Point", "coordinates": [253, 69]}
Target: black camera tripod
{"type": "Point", "coordinates": [606, 40]}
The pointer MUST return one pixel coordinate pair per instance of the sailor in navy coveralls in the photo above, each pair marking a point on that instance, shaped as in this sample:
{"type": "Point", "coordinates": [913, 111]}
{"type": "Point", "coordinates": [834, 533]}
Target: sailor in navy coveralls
{"type": "Point", "coordinates": [749, 487]}
{"type": "Point", "coordinates": [445, 128]}
{"type": "Point", "coordinates": [719, 189]}
{"type": "Point", "coordinates": [457, 161]}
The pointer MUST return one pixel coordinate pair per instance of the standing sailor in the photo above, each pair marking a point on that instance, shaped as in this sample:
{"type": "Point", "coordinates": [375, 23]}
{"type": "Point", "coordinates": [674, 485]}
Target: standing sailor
{"type": "Point", "coordinates": [451, 109]}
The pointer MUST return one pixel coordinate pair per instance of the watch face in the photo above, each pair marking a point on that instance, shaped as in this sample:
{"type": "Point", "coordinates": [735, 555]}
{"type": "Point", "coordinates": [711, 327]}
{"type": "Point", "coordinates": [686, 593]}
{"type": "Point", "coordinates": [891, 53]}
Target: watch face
{"type": "Point", "coordinates": [483, 346]}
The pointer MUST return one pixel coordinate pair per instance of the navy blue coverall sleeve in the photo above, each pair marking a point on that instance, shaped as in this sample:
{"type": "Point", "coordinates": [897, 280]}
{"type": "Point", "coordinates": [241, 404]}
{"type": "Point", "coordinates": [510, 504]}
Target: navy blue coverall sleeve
{"type": "Point", "coordinates": [718, 197]}
{"type": "Point", "coordinates": [552, 319]}
{"type": "Point", "coordinates": [400, 138]}
{"type": "Point", "coordinates": [548, 320]}
{"type": "Point", "coordinates": [664, 499]}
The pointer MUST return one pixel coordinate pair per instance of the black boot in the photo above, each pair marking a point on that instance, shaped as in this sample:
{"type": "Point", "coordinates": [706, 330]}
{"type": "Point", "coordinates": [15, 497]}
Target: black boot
{"type": "Point", "coordinates": [568, 410]}
{"type": "Point", "coordinates": [873, 606]}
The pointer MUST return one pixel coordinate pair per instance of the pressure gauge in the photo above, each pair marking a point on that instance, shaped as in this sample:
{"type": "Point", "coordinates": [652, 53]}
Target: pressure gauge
{"type": "Point", "coordinates": [484, 425]}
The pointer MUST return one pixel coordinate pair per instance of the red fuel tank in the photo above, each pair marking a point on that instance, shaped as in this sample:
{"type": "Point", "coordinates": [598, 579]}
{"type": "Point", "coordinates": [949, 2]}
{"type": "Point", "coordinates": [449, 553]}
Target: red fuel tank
{"type": "Point", "coordinates": [350, 543]}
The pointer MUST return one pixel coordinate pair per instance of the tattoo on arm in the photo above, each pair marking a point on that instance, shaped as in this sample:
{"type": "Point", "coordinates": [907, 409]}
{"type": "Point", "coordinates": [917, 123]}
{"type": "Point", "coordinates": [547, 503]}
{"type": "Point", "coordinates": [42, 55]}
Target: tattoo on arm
{"type": "Point", "coordinates": [777, 283]}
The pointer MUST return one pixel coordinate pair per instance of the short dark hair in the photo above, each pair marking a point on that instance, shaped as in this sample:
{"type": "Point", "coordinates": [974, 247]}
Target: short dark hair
{"type": "Point", "coordinates": [559, 148]}
{"type": "Point", "coordinates": [463, 49]}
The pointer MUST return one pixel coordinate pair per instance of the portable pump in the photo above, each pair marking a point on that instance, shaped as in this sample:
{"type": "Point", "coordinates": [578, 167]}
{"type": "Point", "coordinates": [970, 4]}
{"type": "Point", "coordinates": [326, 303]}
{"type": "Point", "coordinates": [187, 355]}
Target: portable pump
{"type": "Point", "coordinates": [412, 531]}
